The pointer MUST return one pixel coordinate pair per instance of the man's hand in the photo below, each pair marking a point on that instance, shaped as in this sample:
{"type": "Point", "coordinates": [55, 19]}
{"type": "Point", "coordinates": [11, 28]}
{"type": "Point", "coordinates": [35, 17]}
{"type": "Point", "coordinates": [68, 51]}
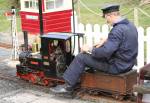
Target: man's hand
{"type": "Point", "coordinates": [100, 42]}
{"type": "Point", "coordinates": [86, 48]}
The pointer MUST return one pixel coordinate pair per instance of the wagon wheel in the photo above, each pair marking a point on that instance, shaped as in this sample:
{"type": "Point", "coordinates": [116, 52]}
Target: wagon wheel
{"type": "Point", "coordinates": [79, 93]}
{"type": "Point", "coordinates": [93, 92]}
{"type": "Point", "coordinates": [118, 96]}
{"type": "Point", "coordinates": [139, 98]}
{"type": "Point", "coordinates": [131, 97]}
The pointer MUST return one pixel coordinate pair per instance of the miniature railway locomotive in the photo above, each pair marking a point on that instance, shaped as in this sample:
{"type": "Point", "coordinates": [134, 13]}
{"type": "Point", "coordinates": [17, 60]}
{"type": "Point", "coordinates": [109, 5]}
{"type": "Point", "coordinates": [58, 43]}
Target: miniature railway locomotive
{"type": "Point", "coordinates": [47, 66]}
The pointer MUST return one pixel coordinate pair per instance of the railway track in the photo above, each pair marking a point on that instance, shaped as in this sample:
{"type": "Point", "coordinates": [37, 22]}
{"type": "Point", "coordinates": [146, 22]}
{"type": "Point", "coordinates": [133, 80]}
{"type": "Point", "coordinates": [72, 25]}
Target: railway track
{"type": "Point", "coordinates": [21, 82]}
{"type": "Point", "coordinates": [45, 89]}
{"type": "Point", "coordinates": [5, 45]}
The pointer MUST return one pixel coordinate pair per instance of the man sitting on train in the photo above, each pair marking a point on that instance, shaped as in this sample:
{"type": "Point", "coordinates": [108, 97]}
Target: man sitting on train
{"type": "Point", "coordinates": [115, 55]}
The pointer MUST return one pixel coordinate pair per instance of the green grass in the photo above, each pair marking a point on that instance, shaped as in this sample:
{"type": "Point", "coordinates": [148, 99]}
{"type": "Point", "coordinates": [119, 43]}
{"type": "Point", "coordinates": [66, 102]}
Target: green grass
{"type": "Point", "coordinates": [126, 5]}
{"type": "Point", "coordinates": [5, 6]}
{"type": "Point", "coordinates": [4, 24]}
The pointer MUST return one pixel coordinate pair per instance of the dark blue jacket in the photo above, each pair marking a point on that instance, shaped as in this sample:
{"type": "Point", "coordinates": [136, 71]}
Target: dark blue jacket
{"type": "Point", "coordinates": [121, 48]}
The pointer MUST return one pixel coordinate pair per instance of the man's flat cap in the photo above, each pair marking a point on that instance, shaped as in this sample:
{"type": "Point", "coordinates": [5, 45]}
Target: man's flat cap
{"type": "Point", "coordinates": [110, 8]}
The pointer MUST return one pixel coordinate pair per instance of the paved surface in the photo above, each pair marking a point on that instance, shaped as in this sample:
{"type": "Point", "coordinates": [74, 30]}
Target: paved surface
{"type": "Point", "coordinates": [33, 96]}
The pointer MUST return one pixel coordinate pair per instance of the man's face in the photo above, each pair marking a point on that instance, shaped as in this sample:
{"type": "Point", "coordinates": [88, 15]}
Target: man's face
{"type": "Point", "coordinates": [108, 18]}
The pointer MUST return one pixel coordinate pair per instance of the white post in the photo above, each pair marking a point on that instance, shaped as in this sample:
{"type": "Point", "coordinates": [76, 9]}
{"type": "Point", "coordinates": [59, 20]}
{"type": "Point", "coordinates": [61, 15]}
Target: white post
{"type": "Point", "coordinates": [105, 30]}
{"type": "Point", "coordinates": [148, 45]}
{"type": "Point", "coordinates": [81, 30]}
{"type": "Point", "coordinates": [97, 33]}
{"type": "Point", "coordinates": [89, 34]}
{"type": "Point", "coordinates": [140, 58]}
{"type": "Point", "coordinates": [74, 25]}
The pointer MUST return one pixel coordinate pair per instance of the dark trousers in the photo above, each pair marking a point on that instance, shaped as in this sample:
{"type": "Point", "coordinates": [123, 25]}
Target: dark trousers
{"type": "Point", "coordinates": [77, 67]}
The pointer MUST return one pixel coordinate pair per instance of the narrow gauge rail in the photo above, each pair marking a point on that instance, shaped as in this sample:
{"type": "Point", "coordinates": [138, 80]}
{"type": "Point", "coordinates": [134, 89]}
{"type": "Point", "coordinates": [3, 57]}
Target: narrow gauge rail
{"type": "Point", "coordinates": [21, 82]}
{"type": "Point", "coordinates": [81, 96]}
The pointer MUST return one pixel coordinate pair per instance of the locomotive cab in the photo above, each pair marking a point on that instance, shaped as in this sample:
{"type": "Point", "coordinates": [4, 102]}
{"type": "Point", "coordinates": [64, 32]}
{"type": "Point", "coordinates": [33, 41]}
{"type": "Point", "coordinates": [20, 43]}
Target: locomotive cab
{"type": "Point", "coordinates": [56, 51]}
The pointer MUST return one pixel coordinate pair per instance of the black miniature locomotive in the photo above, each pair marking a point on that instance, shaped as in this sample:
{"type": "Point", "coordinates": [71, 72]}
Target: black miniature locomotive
{"type": "Point", "coordinates": [47, 66]}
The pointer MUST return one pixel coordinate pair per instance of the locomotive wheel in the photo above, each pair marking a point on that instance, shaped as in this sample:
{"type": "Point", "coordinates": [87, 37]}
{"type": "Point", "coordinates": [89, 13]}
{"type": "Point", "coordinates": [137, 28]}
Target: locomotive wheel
{"type": "Point", "coordinates": [133, 97]}
{"type": "Point", "coordinates": [33, 79]}
{"type": "Point", "coordinates": [46, 82]}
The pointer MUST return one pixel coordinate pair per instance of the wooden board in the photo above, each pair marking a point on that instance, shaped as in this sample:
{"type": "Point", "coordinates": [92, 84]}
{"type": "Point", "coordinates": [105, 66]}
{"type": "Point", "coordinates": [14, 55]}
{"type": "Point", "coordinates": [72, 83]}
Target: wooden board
{"type": "Point", "coordinates": [121, 84]}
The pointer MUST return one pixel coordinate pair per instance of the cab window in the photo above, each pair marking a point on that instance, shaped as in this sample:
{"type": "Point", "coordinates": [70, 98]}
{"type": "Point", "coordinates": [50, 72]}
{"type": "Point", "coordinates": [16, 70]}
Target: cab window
{"type": "Point", "coordinates": [49, 4]}
{"type": "Point", "coordinates": [31, 4]}
{"type": "Point", "coordinates": [53, 4]}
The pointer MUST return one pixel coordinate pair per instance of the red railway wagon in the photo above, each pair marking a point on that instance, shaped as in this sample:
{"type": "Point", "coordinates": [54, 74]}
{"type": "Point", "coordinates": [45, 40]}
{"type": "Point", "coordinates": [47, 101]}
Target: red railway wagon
{"type": "Point", "coordinates": [56, 16]}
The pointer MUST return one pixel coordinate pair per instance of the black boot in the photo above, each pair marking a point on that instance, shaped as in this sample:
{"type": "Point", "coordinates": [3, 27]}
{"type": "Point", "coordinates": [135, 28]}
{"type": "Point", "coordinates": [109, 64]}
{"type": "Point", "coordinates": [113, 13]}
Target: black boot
{"type": "Point", "coordinates": [62, 89]}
